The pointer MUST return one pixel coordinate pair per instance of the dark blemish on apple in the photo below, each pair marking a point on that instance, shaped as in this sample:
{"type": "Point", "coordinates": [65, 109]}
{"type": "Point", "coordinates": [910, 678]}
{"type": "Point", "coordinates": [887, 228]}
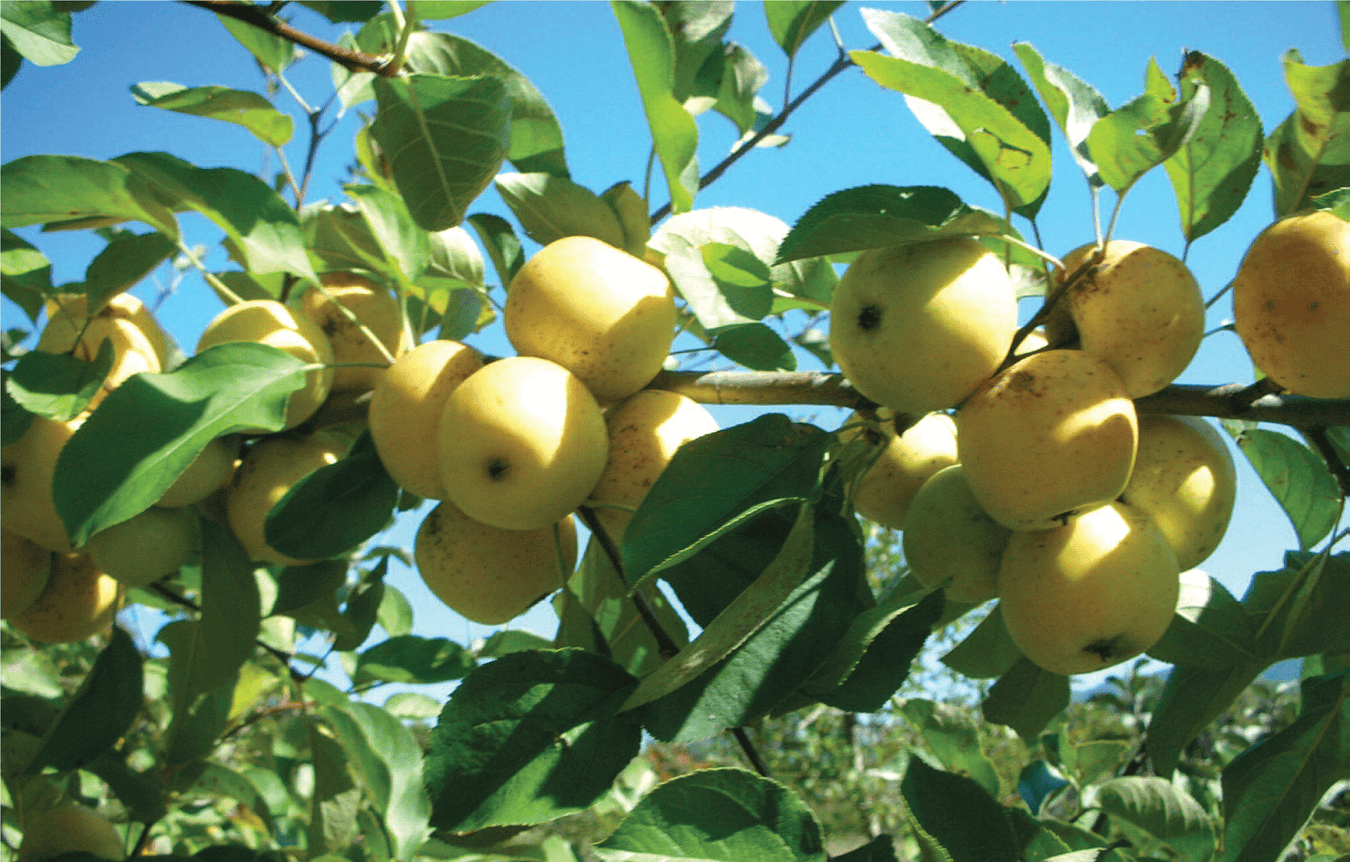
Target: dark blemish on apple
{"type": "Point", "coordinates": [7, 474]}
{"type": "Point", "coordinates": [1021, 381]}
{"type": "Point", "coordinates": [869, 318]}
{"type": "Point", "coordinates": [1063, 517]}
{"type": "Point", "coordinates": [1103, 649]}
{"type": "Point", "coordinates": [498, 469]}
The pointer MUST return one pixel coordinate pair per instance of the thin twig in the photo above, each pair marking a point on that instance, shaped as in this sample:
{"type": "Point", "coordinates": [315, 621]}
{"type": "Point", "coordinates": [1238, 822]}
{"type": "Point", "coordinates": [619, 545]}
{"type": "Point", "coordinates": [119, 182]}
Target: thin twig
{"type": "Point", "coordinates": [665, 644]}
{"type": "Point", "coordinates": [355, 61]}
{"type": "Point", "coordinates": [751, 752]}
{"type": "Point", "coordinates": [1317, 435]}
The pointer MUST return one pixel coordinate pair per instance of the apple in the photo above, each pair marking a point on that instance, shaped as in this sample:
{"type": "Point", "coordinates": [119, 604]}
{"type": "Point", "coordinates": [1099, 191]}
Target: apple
{"type": "Point", "coordinates": [604, 315]}
{"type": "Point", "coordinates": [209, 472]}
{"type": "Point", "coordinates": [146, 546]}
{"type": "Point", "coordinates": [267, 321]}
{"type": "Point", "coordinates": [376, 308]}
{"type": "Point", "coordinates": [69, 829]}
{"type": "Point", "coordinates": [268, 470]}
{"type": "Point", "coordinates": [27, 469]}
{"type": "Point", "coordinates": [950, 541]}
{"type": "Point", "coordinates": [78, 602]}
{"type": "Point", "coordinates": [132, 351]}
{"type": "Point", "coordinates": [26, 568]}
{"type": "Point", "coordinates": [1139, 308]}
{"type": "Point", "coordinates": [488, 574]}
{"type": "Point", "coordinates": [406, 407]}
{"type": "Point", "coordinates": [1185, 480]}
{"type": "Point", "coordinates": [1050, 437]}
{"type": "Point", "coordinates": [74, 307]}
{"type": "Point", "coordinates": [645, 430]}
{"type": "Point", "coordinates": [521, 443]}
{"type": "Point", "coordinates": [883, 494]}
{"type": "Point", "coordinates": [1291, 303]}
{"type": "Point", "coordinates": [1090, 594]}
{"type": "Point", "coordinates": [917, 328]}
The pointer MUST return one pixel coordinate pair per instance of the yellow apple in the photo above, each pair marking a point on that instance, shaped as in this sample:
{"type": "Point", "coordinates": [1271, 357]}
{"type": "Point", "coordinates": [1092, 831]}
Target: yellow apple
{"type": "Point", "coordinates": [69, 829]}
{"type": "Point", "coordinates": [1139, 308]}
{"type": "Point", "coordinates": [1291, 303]}
{"type": "Point", "coordinates": [266, 321]}
{"type": "Point", "coordinates": [1051, 437]}
{"type": "Point", "coordinates": [1093, 593]}
{"type": "Point", "coordinates": [74, 307]}
{"type": "Point", "coordinates": [521, 443]}
{"type": "Point", "coordinates": [1185, 480]}
{"type": "Point", "coordinates": [950, 540]}
{"type": "Point", "coordinates": [209, 472]}
{"type": "Point", "coordinates": [376, 308]}
{"type": "Point", "coordinates": [487, 574]}
{"type": "Point", "coordinates": [269, 469]}
{"type": "Point", "coordinates": [27, 468]}
{"type": "Point", "coordinates": [883, 494]}
{"type": "Point", "coordinates": [78, 602]}
{"type": "Point", "coordinates": [917, 328]}
{"type": "Point", "coordinates": [601, 313]}
{"type": "Point", "coordinates": [132, 351]}
{"type": "Point", "coordinates": [645, 430]}
{"type": "Point", "coordinates": [146, 546]}
{"type": "Point", "coordinates": [23, 574]}
{"type": "Point", "coordinates": [406, 407]}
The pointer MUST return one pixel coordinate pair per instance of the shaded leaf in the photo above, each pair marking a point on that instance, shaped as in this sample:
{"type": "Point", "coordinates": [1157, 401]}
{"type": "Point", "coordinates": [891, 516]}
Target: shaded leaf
{"type": "Point", "coordinates": [413, 659]}
{"type": "Point", "coordinates": [1298, 480]}
{"type": "Point", "coordinates": [123, 262]}
{"type": "Point", "coordinates": [58, 385]}
{"type": "Point", "coordinates": [1160, 809]}
{"type": "Point", "coordinates": [968, 823]}
{"type": "Point", "coordinates": [952, 734]}
{"type": "Point", "coordinates": [1190, 700]}
{"type": "Point", "coordinates": [25, 273]}
{"type": "Point", "coordinates": [1026, 698]}
{"type": "Point", "coordinates": [550, 208]}
{"type": "Point", "coordinates": [241, 107]}
{"type": "Point", "coordinates": [882, 646]}
{"type": "Point", "coordinates": [792, 22]}
{"type": "Point", "coordinates": [46, 189]}
{"type": "Point", "coordinates": [987, 652]}
{"type": "Point", "coordinates": [99, 713]}
{"type": "Point", "coordinates": [1211, 629]}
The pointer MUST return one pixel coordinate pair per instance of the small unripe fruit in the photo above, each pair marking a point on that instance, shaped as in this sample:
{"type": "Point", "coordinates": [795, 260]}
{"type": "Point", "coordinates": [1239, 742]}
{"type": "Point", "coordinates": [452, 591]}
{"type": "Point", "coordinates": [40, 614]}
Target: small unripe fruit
{"type": "Point", "coordinates": [23, 574]}
{"type": "Point", "coordinates": [78, 602]}
{"type": "Point", "coordinates": [949, 539]}
{"type": "Point", "coordinates": [883, 494]}
{"type": "Point", "coordinates": [145, 547]}
{"type": "Point", "coordinates": [376, 308]}
{"type": "Point", "coordinates": [69, 829]}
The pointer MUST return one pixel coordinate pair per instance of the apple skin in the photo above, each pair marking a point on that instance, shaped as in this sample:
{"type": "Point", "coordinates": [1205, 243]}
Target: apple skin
{"type": "Point", "coordinates": [374, 306]}
{"type": "Point", "coordinates": [521, 444]}
{"type": "Point", "coordinates": [487, 574]}
{"type": "Point", "coordinates": [25, 571]}
{"type": "Point", "coordinates": [406, 407]}
{"type": "Point", "coordinates": [132, 351]}
{"type": "Point", "coordinates": [598, 311]}
{"type": "Point", "coordinates": [146, 546]}
{"type": "Point", "coordinates": [883, 494]}
{"type": "Point", "coordinates": [917, 328]}
{"type": "Point", "coordinates": [1139, 308]}
{"type": "Point", "coordinates": [1291, 304]}
{"type": "Point", "coordinates": [1052, 436]}
{"type": "Point", "coordinates": [27, 470]}
{"type": "Point", "coordinates": [267, 321]}
{"type": "Point", "coordinates": [1091, 594]}
{"type": "Point", "coordinates": [210, 471]}
{"type": "Point", "coordinates": [78, 602]}
{"type": "Point", "coordinates": [949, 539]}
{"type": "Point", "coordinates": [69, 829]}
{"type": "Point", "coordinates": [645, 430]}
{"type": "Point", "coordinates": [1185, 480]}
{"type": "Point", "coordinates": [74, 306]}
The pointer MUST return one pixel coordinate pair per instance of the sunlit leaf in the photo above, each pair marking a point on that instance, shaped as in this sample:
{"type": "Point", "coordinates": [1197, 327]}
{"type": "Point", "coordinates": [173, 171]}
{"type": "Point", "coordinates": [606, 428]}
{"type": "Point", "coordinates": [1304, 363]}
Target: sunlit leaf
{"type": "Point", "coordinates": [1142, 134]}
{"type": "Point", "coordinates": [1074, 104]}
{"type": "Point", "coordinates": [58, 386]}
{"type": "Point", "coordinates": [1309, 153]}
{"type": "Point", "coordinates": [271, 51]}
{"type": "Point", "coordinates": [1298, 480]}
{"type": "Point", "coordinates": [241, 107]}
{"type": "Point", "coordinates": [550, 208]}
{"type": "Point", "coordinates": [38, 32]}
{"type": "Point", "coordinates": [792, 22]}
{"type": "Point", "coordinates": [47, 189]}
{"type": "Point", "coordinates": [1160, 809]}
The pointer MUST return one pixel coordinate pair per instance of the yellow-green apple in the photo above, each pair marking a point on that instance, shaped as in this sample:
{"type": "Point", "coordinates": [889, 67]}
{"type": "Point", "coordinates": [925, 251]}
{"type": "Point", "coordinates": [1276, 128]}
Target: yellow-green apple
{"type": "Point", "coordinates": [23, 574]}
{"type": "Point", "coordinates": [27, 469]}
{"type": "Point", "coordinates": [1291, 303]}
{"type": "Point", "coordinates": [266, 321]}
{"type": "Point", "coordinates": [883, 494]}
{"type": "Point", "coordinates": [950, 541]}
{"type": "Point", "coordinates": [1184, 479]}
{"type": "Point", "coordinates": [521, 443]}
{"type": "Point", "coordinates": [406, 407]}
{"type": "Point", "coordinates": [376, 308]}
{"type": "Point", "coordinates": [1139, 308]}
{"type": "Point", "coordinates": [487, 574]}
{"type": "Point", "coordinates": [598, 311]}
{"type": "Point", "coordinates": [209, 472]}
{"type": "Point", "coordinates": [645, 430]}
{"type": "Point", "coordinates": [1090, 594]}
{"type": "Point", "coordinates": [269, 469]}
{"type": "Point", "coordinates": [1050, 437]}
{"type": "Point", "coordinates": [74, 307]}
{"type": "Point", "coordinates": [917, 328]}
{"type": "Point", "coordinates": [69, 829]}
{"type": "Point", "coordinates": [132, 351]}
{"type": "Point", "coordinates": [147, 546]}
{"type": "Point", "coordinates": [78, 602]}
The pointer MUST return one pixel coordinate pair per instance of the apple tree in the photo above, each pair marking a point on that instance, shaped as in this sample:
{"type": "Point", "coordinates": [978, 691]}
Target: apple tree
{"type": "Point", "coordinates": [1051, 490]}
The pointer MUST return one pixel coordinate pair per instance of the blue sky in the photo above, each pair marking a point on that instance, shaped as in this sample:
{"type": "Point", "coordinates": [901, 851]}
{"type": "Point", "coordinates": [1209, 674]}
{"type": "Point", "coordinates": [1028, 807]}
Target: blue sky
{"type": "Point", "coordinates": [851, 133]}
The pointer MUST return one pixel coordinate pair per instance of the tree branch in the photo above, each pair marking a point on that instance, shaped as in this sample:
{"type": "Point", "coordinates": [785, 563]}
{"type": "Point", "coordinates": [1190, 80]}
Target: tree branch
{"type": "Point", "coordinates": [355, 61]}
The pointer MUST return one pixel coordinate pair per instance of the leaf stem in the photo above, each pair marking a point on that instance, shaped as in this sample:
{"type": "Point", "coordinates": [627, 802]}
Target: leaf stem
{"type": "Point", "coordinates": [665, 644]}
{"type": "Point", "coordinates": [231, 297]}
{"type": "Point", "coordinates": [751, 751]}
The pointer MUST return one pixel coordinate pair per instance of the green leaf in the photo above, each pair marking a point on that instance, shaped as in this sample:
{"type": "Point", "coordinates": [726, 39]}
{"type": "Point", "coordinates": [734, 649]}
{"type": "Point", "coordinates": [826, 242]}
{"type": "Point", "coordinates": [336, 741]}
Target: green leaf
{"type": "Point", "coordinates": [502, 244]}
{"type": "Point", "coordinates": [651, 51]}
{"type": "Point", "coordinates": [696, 32]}
{"type": "Point", "coordinates": [127, 258]}
{"type": "Point", "coordinates": [1271, 788]}
{"type": "Point", "coordinates": [231, 610]}
{"type": "Point", "coordinates": [10, 61]}
{"type": "Point", "coordinates": [262, 228]}
{"type": "Point", "coordinates": [241, 107]}
{"type": "Point", "coordinates": [340, 239]}
{"type": "Point", "coordinates": [1161, 809]}
{"type": "Point", "coordinates": [270, 50]}
{"type": "Point", "coordinates": [343, 11]}
{"type": "Point", "coordinates": [1026, 698]}
{"type": "Point", "coordinates": [551, 207]}
{"type": "Point", "coordinates": [1213, 171]}
{"type": "Point", "coordinates": [1300, 607]}
{"type": "Point", "coordinates": [198, 717]}
{"type": "Point", "coordinates": [1337, 202]}
{"type": "Point", "coordinates": [952, 734]}
{"type": "Point", "coordinates": [878, 216]}
{"type": "Point", "coordinates": [987, 652]}
{"type": "Point", "coordinates": [413, 659]}
{"type": "Point", "coordinates": [1190, 700]}
{"type": "Point", "coordinates": [1211, 629]}
{"type": "Point", "coordinates": [116, 464]}
{"type": "Point", "coordinates": [1075, 105]}
{"type": "Point", "coordinates": [336, 797]}
{"type": "Point", "coordinates": [55, 189]}
{"type": "Point", "coordinates": [768, 461]}
{"type": "Point", "coordinates": [1298, 480]}
{"type": "Point", "coordinates": [58, 385]}
{"type": "Point", "coordinates": [405, 247]}
{"type": "Point", "coordinates": [727, 815]}
{"type": "Point", "coordinates": [529, 738]}
{"type": "Point", "coordinates": [791, 23]}
{"type": "Point", "coordinates": [738, 98]}
{"type": "Point", "coordinates": [99, 713]}
{"type": "Point", "coordinates": [445, 138]}
{"type": "Point", "coordinates": [38, 32]}
{"type": "Point", "coordinates": [631, 211]}
{"type": "Point", "coordinates": [879, 849]}
{"type": "Point", "coordinates": [439, 9]}
{"type": "Point", "coordinates": [968, 823]}
{"type": "Point", "coordinates": [25, 273]}
{"type": "Point", "coordinates": [1309, 153]}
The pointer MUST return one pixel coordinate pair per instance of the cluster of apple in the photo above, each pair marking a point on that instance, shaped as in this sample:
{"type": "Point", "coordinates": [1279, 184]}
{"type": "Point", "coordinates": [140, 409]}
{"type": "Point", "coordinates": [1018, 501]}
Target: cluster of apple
{"type": "Point", "coordinates": [1029, 477]}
